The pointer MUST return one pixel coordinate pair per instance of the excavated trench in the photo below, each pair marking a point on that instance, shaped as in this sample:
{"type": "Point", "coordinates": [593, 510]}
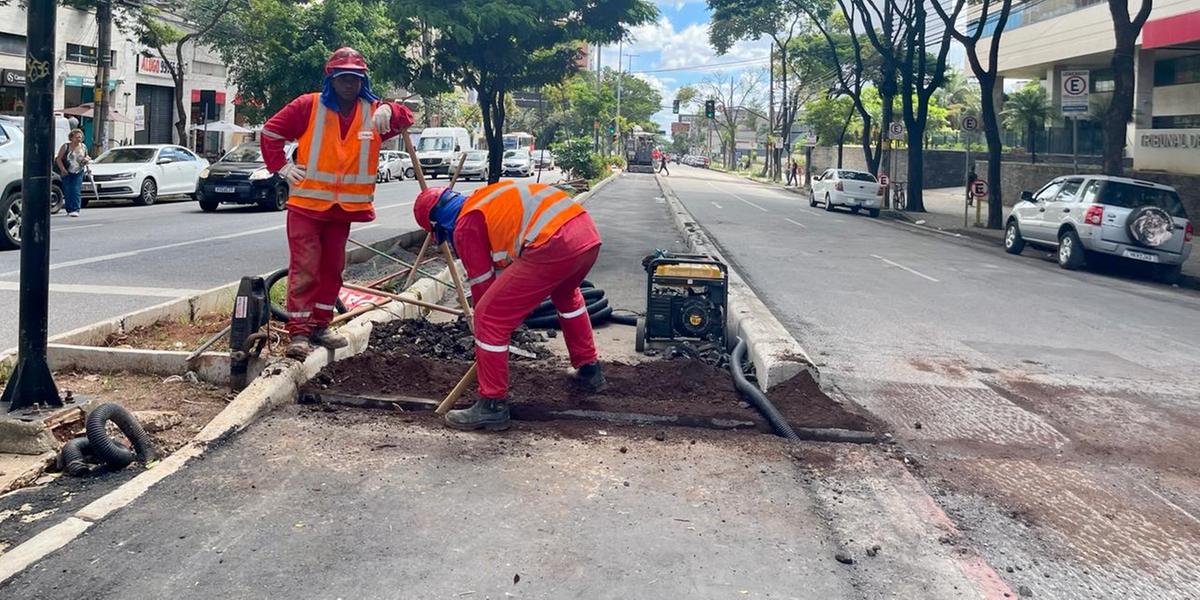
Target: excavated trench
{"type": "Point", "coordinates": [414, 364]}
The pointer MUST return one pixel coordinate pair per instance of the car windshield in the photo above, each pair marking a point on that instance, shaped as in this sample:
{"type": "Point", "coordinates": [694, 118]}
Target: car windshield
{"type": "Point", "coordinates": [516, 154]}
{"type": "Point", "coordinates": [127, 155]}
{"type": "Point", "coordinates": [246, 153]}
{"type": "Point", "coordinates": [476, 156]}
{"type": "Point", "coordinates": [856, 176]}
{"type": "Point", "coordinates": [436, 144]}
{"type": "Point", "coordinates": [1127, 195]}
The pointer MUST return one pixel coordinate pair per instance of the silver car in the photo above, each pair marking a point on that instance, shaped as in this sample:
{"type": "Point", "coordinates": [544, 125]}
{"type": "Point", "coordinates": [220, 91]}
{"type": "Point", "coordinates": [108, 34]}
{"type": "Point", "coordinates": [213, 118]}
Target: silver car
{"type": "Point", "coordinates": [476, 165]}
{"type": "Point", "coordinates": [1079, 215]}
{"type": "Point", "coordinates": [517, 162]}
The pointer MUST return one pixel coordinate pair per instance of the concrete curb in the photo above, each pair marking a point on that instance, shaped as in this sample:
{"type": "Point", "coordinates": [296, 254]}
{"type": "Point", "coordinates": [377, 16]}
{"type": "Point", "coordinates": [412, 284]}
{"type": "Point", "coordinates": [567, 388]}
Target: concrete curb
{"type": "Point", "coordinates": [278, 384]}
{"type": "Point", "coordinates": [776, 355]}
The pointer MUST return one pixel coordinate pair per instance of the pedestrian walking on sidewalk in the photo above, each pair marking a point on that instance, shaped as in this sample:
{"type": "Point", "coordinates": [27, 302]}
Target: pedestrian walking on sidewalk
{"type": "Point", "coordinates": [332, 184]}
{"type": "Point", "coordinates": [971, 179]}
{"type": "Point", "coordinates": [72, 161]}
{"type": "Point", "coordinates": [520, 243]}
{"type": "Point", "coordinates": [793, 173]}
{"type": "Point", "coordinates": [662, 165]}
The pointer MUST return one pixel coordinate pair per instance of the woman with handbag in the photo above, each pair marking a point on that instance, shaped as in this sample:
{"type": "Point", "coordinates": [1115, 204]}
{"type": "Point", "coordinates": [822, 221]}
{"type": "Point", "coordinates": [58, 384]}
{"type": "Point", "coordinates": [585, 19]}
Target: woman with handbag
{"type": "Point", "coordinates": [72, 159]}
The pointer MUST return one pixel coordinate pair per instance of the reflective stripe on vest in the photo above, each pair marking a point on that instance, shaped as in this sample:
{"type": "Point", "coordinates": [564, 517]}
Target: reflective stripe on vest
{"type": "Point", "coordinates": [334, 177]}
{"type": "Point", "coordinates": [542, 209]}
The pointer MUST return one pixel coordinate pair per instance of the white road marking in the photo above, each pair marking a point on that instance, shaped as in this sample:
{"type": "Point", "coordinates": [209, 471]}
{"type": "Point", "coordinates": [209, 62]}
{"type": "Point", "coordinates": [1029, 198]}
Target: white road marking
{"type": "Point", "coordinates": [795, 223]}
{"type": "Point", "coordinates": [58, 229]}
{"type": "Point", "coordinates": [717, 205]}
{"type": "Point", "coordinates": [809, 211]}
{"type": "Point", "coordinates": [117, 255]}
{"type": "Point", "coordinates": [107, 290]}
{"type": "Point", "coordinates": [898, 265]}
{"type": "Point", "coordinates": [736, 196]}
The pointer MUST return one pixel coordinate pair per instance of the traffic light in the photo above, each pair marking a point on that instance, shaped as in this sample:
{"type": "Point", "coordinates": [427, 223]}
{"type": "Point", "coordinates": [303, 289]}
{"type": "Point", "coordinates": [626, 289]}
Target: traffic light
{"type": "Point", "coordinates": [612, 127]}
{"type": "Point", "coordinates": [675, 107]}
{"type": "Point", "coordinates": [710, 108]}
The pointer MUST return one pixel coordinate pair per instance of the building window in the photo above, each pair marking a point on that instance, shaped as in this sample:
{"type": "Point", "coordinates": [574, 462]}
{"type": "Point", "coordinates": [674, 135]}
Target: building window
{"type": "Point", "coordinates": [11, 43]}
{"type": "Point", "coordinates": [86, 55]}
{"type": "Point", "coordinates": [1176, 122]}
{"type": "Point", "coordinates": [1177, 71]}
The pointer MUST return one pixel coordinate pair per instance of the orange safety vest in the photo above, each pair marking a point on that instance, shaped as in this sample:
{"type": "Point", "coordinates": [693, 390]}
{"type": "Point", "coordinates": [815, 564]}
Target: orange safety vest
{"type": "Point", "coordinates": [340, 171]}
{"type": "Point", "coordinates": [520, 216]}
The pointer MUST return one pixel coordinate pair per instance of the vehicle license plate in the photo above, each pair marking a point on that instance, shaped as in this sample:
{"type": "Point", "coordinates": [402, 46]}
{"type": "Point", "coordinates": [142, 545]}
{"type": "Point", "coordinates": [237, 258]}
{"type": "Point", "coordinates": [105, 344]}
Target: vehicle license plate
{"type": "Point", "coordinates": [1146, 256]}
{"type": "Point", "coordinates": [225, 189]}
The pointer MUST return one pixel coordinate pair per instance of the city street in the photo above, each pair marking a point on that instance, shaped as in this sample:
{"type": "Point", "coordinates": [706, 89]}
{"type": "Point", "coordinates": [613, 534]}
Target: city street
{"type": "Point", "coordinates": [1052, 413]}
{"type": "Point", "coordinates": [118, 258]}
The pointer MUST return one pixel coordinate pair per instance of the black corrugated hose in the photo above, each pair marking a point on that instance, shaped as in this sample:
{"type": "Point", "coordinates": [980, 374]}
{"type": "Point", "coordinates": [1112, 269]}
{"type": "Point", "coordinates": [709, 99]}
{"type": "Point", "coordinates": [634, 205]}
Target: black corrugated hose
{"type": "Point", "coordinates": [71, 460]}
{"type": "Point", "coordinates": [776, 420]}
{"type": "Point", "coordinates": [545, 316]}
{"type": "Point", "coordinates": [280, 313]}
{"type": "Point", "coordinates": [108, 450]}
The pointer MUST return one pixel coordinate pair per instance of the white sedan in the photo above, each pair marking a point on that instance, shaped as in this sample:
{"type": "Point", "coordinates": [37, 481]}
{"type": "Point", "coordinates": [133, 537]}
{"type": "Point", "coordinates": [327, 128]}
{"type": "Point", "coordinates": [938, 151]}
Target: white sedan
{"type": "Point", "coordinates": [143, 173]}
{"type": "Point", "coordinates": [846, 187]}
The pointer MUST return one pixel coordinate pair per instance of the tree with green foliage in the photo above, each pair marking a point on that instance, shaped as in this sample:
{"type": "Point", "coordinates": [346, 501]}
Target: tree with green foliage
{"type": "Point", "coordinates": [830, 119]}
{"type": "Point", "coordinates": [1028, 108]}
{"type": "Point", "coordinates": [497, 46]}
{"type": "Point", "coordinates": [276, 49]}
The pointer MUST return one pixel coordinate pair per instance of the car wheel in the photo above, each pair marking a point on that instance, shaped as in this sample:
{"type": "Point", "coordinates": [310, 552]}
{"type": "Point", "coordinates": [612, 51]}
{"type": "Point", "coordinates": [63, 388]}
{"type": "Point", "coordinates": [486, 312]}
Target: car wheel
{"type": "Point", "coordinates": [10, 219]}
{"type": "Point", "coordinates": [56, 199]}
{"type": "Point", "coordinates": [149, 193]}
{"type": "Point", "coordinates": [1013, 242]}
{"type": "Point", "coordinates": [280, 200]}
{"type": "Point", "coordinates": [828, 203]}
{"type": "Point", "coordinates": [1071, 253]}
{"type": "Point", "coordinates": [874, 212]}
{"type": "Point", "coordinates": [409, 173]}
{"type": "Point", "coordinates": [812, 199]}
{"type": "Point", "coordinates": [854, 209]}
{"type": "Point", "coordinates": [209, 205]}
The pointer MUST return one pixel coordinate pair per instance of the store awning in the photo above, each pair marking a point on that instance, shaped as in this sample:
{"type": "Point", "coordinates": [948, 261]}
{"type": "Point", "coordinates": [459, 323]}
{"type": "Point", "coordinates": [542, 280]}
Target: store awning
{"type": "Point", "coordinates": [1176, 30]}
{"type": "Point", "coordinates": [85, 110]}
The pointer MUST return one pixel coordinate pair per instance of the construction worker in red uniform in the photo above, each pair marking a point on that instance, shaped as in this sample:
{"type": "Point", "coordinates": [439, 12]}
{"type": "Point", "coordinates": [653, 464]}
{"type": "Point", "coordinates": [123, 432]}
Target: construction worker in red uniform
{"type": "Point", "coordinates": [520, 243]}
{"type": "Point", "coordinates": [332, 184]}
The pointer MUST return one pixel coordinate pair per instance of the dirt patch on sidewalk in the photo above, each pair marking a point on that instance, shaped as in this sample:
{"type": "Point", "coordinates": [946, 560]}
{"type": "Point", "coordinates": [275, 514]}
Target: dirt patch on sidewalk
{"type": "Point", "coordinates": [172, 334]}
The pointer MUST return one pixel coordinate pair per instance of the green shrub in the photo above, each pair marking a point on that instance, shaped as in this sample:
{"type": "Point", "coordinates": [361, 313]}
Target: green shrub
{"type": "Point", "coordinates": [576, 157]}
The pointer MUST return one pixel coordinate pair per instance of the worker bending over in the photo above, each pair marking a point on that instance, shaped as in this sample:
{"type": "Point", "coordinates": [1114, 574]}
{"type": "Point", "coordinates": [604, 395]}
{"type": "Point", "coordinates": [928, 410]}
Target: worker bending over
{"type": "Point", "coordinates": [332, 184]}
{"type": "Point", "coordinates": [519, 243]}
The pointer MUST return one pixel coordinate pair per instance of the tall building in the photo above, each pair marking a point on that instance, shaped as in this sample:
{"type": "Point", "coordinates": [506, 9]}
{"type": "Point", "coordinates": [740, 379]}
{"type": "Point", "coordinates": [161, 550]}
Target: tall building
{"type": "Point", "coordinates": [1043, 38]}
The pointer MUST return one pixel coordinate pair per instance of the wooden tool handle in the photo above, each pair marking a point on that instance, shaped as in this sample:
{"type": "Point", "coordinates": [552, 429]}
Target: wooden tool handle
{"type": "Point", "coordinates": [458, 390]}
{"type": "Point", "coordinates": [454, 179]}
{"type": "Point", "coordinates": [467, 311]}
{"type": "Point", "coordinates": [416, 162]}
{"type": "Point", "coordinates": [404, 299]}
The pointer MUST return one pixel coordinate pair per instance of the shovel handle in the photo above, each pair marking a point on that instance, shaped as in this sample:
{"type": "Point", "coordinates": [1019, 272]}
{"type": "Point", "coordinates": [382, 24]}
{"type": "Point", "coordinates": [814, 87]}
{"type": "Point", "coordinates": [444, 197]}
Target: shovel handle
{"type": "Point", "coordinates": [458, 390]}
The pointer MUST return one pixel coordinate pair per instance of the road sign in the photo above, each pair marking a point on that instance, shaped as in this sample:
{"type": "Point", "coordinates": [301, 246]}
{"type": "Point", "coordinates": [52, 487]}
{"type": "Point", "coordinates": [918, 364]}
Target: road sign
{"type": "Point", "coordinates": [896, 130]}
{"type": "Point", "coordinates": [884, 180]}
{"type": "Point", "coordinates": [1075, 88]}
{"type": "Point", "coordinates": [970, 123]}
{"type": "Point", "coordinates": [979, 189]}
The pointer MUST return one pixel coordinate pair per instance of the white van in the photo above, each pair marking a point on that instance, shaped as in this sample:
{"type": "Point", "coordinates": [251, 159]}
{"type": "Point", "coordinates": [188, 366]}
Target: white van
{"type": "Point", "coordinates": [440, 148]}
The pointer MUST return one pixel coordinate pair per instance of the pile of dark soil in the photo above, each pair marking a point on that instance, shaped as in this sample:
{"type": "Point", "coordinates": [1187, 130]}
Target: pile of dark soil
{"type": "Point", "coordinates": [451, 340]}
{"type": "Point", "coordinates": [672, 388]}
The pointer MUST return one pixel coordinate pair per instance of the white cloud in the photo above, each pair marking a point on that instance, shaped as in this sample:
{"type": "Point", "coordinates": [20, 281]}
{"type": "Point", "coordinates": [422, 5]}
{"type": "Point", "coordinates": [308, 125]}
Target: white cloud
{"type": "Point", "coordinates": [688, 46]}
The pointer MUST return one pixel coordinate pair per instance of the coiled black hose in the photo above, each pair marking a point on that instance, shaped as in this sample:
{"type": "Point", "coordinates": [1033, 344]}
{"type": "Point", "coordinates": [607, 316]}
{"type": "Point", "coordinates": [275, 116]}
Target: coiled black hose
{"type": "Point", "coordinates": [545, 316]}
{"type": "Point", "coordinates": [108, 450]}
{"type": "Point", "coordinates": [279, 313]}
{"type": "Point", "coordinates": [71, 458]}
{"type": "Point", "coordinates": [776, 420]}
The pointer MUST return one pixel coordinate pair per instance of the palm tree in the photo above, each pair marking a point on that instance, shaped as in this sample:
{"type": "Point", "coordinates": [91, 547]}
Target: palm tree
{"type": "Point", "coordinates": [1029, 108]}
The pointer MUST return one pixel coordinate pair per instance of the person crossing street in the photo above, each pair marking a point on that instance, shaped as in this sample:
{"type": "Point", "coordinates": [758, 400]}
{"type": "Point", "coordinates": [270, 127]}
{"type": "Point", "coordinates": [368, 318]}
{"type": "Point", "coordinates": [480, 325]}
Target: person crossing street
{"type": "Point", "coordinates": [331, 185]}
{"type": "Point", "coordinates": [520, 243]}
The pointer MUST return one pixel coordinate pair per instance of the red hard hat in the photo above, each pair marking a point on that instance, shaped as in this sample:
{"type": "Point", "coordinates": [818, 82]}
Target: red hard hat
{"type": "Point", "coordinates": [422, 208]}
{"type": "Point", "coordinates": [345, 58]}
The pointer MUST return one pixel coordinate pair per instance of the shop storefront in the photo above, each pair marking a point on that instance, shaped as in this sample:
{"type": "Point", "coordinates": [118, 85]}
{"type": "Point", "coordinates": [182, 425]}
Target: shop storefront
{"type": "Point", "coordinates": [12, 92]}
{"type": "Point", "coordinates": [155, 94]}
{"type": "Point", "coordinates": [207, 106]}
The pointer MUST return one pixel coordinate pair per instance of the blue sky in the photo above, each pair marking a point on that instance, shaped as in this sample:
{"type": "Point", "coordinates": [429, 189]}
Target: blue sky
{"type": "Point", "coordinates": [674, 51]}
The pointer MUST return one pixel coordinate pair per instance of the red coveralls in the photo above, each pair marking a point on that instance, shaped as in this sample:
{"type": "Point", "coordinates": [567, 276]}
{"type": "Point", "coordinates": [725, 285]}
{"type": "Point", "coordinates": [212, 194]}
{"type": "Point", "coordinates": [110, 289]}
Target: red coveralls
{"type": "Point", "coordinates": [554, 269]}
{"type": "Point", "coordinates": [316, 238]}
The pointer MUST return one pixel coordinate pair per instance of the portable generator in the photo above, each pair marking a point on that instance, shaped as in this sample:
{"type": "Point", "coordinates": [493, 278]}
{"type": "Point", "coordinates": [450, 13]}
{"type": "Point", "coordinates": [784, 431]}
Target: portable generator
{"type": "Point", "coordinates": [686, 296]}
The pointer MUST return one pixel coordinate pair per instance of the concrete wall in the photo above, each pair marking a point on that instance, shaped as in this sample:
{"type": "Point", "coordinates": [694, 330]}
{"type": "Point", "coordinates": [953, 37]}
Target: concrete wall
{"type": "Point", "coordinates": [943, 168]}
{"type": "Point", "coordinates": [1016, 177]}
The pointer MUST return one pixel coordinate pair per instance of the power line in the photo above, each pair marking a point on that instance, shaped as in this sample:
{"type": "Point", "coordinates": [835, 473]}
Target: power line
{"type": "Point", "coordinates": [704, 67]}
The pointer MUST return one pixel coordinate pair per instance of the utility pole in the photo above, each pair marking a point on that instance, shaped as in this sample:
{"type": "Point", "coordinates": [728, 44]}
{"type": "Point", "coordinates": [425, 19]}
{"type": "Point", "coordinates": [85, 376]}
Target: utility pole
{"type": "Point", "coordinates": [31, 383]}
{"type": "Point", "coordinates": [103, 68]}
{"type": "Point", "coordinates": [620, 76]}
{"type": "Point", "coordinates": [769, 171]}
{"type": "Point", "coordinates": [596, 123]}
{"type": "Point", "coordinates": [786, 129]}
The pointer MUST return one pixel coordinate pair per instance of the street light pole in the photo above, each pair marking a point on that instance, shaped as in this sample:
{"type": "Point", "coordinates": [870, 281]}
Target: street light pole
{"type": "Point", "coordinates": [100, 103]}
{"type": "Point", "coordinates": [31, 382]}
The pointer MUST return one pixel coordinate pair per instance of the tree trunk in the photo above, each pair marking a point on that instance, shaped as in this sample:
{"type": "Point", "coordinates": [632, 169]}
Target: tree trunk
{"type": "Point", "coordinates": [991, 132]}
{"type": "Point", "coordinates": [915, 202]}
{"type": "Point", "coordinates": [177, 75]}
{"type": "Point", "coordinates": [842, 137]}
{"type": "Point", "coordinates": [1031, 132]}
{"type": "Point", "coordinates": [491, 105]}
{"type": "Point", "coordinates": [1120, 110]}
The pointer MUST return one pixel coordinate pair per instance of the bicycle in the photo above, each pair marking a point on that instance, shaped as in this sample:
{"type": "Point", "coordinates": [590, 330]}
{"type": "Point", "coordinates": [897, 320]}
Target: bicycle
{"type": "Point", "coordinates": [899, 200]}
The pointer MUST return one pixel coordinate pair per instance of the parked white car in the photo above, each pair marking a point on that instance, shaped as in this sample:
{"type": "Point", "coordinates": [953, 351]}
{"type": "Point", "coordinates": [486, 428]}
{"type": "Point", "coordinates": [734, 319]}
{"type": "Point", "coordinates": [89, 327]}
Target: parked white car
{"type": "Point", "coordinates": [847, 187]}
{"type": "Point", "coordinates": [12, 166]}
{"type": "Point", "coordinates": [543, 159]}
{"type": "Point", "coordinates": [390, 166]}
{"type": "Point", "coordinates": [476, 165]}
{"type": "Point", "coordinates": [406, 164]}
{"type": "Point", "coordinates": [1085, 215]}
{"type": "Point", "coordinates": [517, 162]}
{"type": "Point", "coordinates": [144, 173]}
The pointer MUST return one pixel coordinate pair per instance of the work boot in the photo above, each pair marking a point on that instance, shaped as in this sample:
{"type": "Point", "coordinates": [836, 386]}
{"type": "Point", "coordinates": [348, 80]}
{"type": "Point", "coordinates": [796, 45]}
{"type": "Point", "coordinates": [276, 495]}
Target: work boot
{"type": "Point", "coordinates": [592, 378]}
{"type": "Point", "coordinates": [486, 413]}
{"type": "Point", "coordinates": [299, 348]}
{"type": "Point", "coordinates": [327, 339]}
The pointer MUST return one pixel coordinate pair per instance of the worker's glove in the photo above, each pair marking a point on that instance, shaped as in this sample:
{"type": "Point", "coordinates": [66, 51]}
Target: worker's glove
{"type": "Point", "coordinates": [293, 173]}
{"type": "Point", "coordinates": [382, 119]}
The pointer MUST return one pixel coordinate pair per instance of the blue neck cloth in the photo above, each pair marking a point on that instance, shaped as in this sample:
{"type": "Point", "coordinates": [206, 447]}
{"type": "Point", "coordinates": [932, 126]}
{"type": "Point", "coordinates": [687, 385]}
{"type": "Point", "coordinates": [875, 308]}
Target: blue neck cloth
{"type": "Point", "coordinates": [329, 96]}
{"type": "Point", "coordinates": [445, 215]}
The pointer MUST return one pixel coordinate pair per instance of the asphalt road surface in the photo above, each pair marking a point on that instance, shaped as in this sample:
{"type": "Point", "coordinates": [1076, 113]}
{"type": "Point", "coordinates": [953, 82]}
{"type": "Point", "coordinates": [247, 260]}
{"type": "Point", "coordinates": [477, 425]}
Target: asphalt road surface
{"type": "Point", "coordinates": [118, 258]}
{"type": "Point", "coordinates": [1053, 413]}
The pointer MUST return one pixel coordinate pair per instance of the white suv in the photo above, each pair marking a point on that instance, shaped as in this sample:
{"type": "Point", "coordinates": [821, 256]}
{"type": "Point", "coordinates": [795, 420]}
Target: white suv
{"type": "Point", "coordinates": [1081, 214]}
{"type": "Point", "coordinates": [12, 151]}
